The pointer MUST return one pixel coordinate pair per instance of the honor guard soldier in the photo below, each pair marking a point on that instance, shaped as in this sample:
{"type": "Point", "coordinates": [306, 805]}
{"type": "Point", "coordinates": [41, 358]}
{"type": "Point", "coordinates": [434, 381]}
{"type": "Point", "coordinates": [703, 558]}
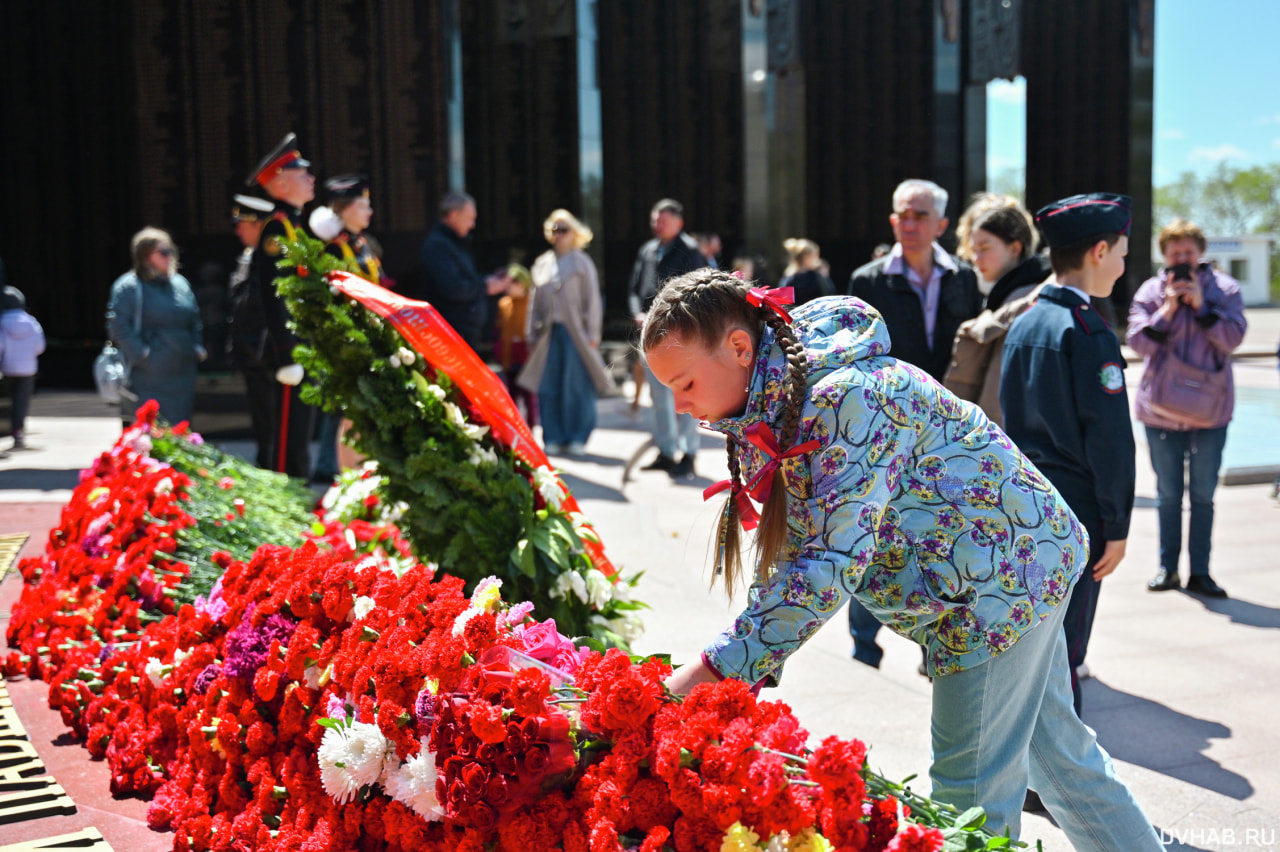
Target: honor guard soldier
{"type": "Point", "coordinates": [1063, 392]}
{"type": "Point", "coordinates": [342, 224]}
{"type": "Point", "coordinates": [247, 336]}
{"type": "Point", "coordinates": [283, 175]}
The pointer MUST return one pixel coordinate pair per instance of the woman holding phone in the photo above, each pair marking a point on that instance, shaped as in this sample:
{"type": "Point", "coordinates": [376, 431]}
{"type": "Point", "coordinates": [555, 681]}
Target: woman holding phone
{"type": "Point", "coordinates": [1185, 323]}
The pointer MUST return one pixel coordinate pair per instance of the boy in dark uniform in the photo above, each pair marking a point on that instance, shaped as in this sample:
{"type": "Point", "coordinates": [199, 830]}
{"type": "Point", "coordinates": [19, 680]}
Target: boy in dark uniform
{"type": "Point", "coordinates": [283, 175]}
{"type": "Point", "coordinates": [247, 336]}
{"type": "Point", "coordinates": [1063, 392]}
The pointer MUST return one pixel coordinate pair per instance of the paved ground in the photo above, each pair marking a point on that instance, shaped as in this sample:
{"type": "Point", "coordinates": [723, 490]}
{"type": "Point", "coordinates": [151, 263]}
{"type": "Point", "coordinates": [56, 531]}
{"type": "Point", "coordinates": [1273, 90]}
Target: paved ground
{"type": "Point", "coordinates": [1184, 690]}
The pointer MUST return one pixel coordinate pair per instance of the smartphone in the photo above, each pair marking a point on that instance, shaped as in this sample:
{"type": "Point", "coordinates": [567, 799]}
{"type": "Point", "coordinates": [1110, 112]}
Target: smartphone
{"type": "Point", "coordinates": [1182, 272]}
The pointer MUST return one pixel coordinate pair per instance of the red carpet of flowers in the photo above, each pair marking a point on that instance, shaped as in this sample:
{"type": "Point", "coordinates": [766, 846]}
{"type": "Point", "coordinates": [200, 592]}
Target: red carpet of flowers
{"type": "Point", "coordinates": [337, 696]}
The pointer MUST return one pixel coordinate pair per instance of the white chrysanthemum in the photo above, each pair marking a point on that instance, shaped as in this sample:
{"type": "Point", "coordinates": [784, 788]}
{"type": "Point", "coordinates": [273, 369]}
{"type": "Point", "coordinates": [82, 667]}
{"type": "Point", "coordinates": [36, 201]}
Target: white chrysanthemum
{"type": "Point", "coordinates": [351, 756]}
{"type": "Point", "coordinates": [437, 392]}
{"type": "Point", "coordinates": [570, 581]}
{"type": "Point", "coordinates": [156, 671]}
{"type": "Point", "coordinates": [544, 479]}
{"type": "Point", "coordinates": [362, 607]}
{"type": "Point", "coordinates": [479, 455]}
{"type": "Point", "coordinates": [413, 784]}
{"type": "Point", "coordinates": [407, 356]}
{"type": "Point", "coordinates": [460, 623]}
{"type": "Point", "coordinates": [599, 589]}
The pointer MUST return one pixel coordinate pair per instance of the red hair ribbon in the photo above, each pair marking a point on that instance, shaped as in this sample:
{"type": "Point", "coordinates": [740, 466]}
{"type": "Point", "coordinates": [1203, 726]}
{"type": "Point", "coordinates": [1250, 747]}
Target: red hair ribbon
{"type": "Point", "coordinates": [761, 485]}
{"type": "Point", "coordinates": [746, 511]}
{"type": "Point", "coordinates": [774, 299]}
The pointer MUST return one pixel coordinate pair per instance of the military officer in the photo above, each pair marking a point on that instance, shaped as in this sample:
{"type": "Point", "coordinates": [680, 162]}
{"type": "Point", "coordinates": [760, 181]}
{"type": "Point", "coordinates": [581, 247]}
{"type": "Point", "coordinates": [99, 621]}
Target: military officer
{"type": "Point", "coordinates": [1063, 391]}
{"type": "Point", "coordinates": [283, 175]}
{"type": "Point", "coordinates": [247, 336]}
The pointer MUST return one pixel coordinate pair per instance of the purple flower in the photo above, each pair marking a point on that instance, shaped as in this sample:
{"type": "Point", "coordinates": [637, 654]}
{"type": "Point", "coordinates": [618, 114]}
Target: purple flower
{"type": "Point", "coordinates": [206, 678]}
{"type": "Point", "coordinates": [215, 607]}
{"type": "Point", "coordinates": [424, 709]}
{"type": "Point", "coordinates": [336, 708]}
{"type": "Point", "coordinates": [248, 646]}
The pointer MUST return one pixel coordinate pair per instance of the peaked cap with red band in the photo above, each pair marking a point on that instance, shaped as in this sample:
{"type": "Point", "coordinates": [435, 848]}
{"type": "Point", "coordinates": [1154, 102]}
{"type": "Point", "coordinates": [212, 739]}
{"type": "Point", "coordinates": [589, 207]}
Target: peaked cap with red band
{"type": "Point", "coordinates": [284, 156]}
{"type": "Point", "coordinates": [1080, 217]}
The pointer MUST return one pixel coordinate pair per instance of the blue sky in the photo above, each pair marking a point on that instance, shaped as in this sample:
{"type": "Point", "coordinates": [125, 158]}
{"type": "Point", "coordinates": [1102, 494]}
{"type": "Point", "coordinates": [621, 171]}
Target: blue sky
{"type": "Point", "coordinates": [1217, 92]}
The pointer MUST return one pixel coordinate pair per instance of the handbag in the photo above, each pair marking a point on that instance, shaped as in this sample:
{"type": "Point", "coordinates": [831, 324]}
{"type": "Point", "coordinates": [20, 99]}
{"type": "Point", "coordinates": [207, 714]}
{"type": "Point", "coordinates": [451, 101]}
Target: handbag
{"type": "Point", "coordinates": [1187, 394]}
{"type": "Point", "coordinates": [110, 372]}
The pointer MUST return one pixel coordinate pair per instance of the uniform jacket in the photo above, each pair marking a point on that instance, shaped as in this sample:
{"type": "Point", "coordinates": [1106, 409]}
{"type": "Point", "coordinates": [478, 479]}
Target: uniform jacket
{"type": "Point", "coordinates": [656, 264]}
{"type": "Point", "coordinates": [1065, 406]}
{"type": "Point", "coordinates": [897, 302]}
{"type": "Point", "coordinates": [21, 342]}
{"type": "Point", "coordinates": [565, 291]}
{"type": "Point", "coordinates": [263, 308]}
{"type": "Point", "coordinates": [452, 284]}
{"type": "Point", "coordinates": [163, 353]}
{"type": "Point", "coordinates": [1205, 339]}
{"type": "Point", "coordinates": [978, 350]}
{"type": "Point", "coordinates": [355, 249]}
{"type": "Point", "coordinates": [914, 503]}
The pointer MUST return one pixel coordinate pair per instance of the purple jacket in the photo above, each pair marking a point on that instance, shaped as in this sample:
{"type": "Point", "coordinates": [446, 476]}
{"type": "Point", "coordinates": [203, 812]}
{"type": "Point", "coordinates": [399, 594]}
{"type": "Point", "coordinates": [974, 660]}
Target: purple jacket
{"type": "Point", "coordinates": [1205, 340]}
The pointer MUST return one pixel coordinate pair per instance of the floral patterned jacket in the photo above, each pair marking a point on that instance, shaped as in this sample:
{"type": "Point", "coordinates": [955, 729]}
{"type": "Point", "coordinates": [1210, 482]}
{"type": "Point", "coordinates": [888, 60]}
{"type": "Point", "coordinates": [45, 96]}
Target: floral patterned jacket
{"type": "Point", "coordinates": [913, 502]}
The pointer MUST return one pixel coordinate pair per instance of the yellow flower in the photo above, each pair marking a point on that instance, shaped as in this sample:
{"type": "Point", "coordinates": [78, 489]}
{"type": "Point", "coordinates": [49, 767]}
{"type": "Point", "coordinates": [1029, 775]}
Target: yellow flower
{"type": "Point", "coordinates": [809, 840]}
{"type": "Point", "coordinates": [739, 838]}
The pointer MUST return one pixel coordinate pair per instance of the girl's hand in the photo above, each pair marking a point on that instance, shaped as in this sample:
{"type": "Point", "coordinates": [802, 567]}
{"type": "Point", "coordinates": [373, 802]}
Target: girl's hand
{"type": "Point", "coordinates": [687, 677]}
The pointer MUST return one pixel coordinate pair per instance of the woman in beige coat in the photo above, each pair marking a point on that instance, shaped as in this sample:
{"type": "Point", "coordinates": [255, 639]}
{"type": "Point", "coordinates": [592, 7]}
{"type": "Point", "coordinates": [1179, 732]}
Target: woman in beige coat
{"type": "Point", "coordinates": [564, 366]}
{"type": "Point", "coordinates": [1001, 245]}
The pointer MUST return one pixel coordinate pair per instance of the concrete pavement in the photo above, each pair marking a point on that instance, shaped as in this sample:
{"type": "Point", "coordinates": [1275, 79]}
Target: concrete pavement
{"type": "Point", "coordinates": [1183, 692]}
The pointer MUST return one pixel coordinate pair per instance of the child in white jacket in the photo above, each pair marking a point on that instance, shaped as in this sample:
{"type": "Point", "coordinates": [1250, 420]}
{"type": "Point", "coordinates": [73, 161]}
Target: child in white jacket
{"type": "Point", "coordinates": [21, 342]}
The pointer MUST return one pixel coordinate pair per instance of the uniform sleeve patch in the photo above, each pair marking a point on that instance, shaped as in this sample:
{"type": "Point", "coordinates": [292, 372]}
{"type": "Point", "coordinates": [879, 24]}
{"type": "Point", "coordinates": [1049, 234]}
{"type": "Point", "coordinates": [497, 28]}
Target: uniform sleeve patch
{"type": "Point", "coordinates": [271, 245]}
{"type": "Point", "coordinates": [1111, 377]}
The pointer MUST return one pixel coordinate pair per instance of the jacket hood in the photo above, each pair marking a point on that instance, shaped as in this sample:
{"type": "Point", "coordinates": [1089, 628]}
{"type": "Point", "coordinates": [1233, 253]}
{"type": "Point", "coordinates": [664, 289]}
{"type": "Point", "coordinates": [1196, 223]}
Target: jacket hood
{"type": "Point", "coordinates": [836, 331]}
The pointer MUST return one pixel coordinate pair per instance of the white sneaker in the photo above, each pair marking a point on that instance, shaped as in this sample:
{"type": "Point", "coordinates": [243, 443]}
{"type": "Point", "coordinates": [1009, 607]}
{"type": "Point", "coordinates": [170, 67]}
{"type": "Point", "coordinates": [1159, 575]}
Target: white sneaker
{"type": "Point", "coordinates": [577, 448]}
{"type": "Point", "coordinates": [554, 449]}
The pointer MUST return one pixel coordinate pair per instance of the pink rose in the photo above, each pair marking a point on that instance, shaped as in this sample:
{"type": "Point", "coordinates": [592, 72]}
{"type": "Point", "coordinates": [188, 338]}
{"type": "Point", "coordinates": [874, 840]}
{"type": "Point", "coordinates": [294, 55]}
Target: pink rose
{"type": "Point", "coordinates": [544, 643]}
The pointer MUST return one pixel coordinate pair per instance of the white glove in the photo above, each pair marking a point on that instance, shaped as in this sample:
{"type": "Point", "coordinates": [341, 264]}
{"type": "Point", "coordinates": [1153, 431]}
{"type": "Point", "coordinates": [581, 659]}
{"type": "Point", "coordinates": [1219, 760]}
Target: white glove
{"type": "Point", "coordinates": [290, 375]}
{"type": "Point", "coordinates": [325, 224]}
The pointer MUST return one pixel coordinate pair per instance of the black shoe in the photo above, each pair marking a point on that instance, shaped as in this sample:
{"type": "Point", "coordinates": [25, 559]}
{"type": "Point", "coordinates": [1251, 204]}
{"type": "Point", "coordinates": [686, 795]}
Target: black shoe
{"type": "Point", "coordinates": [662, 462]}
{"type": "Point", "coordinates": [1202, 584]}
{"type": "Point", "coordinates": [1032, 804]}
{"type": "Point", "coordinates": [683, 469]}
{"type": "Point", "coordinates": [1164, 580]}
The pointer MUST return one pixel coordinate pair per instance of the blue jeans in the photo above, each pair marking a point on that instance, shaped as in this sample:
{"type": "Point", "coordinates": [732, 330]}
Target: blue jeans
{"type": "Point", "coordinates": [566, 397]}
{"type": "Point", "coordinates": [1172, 453]}
{"type": "Point", "coordinates": [863, 627]}
{"type": "Point", "coordinates": [327, 454]}
{"type": "Point", "coordinates": [673, 433]}
{"type": "Point", "coordinates": [1009, 721]}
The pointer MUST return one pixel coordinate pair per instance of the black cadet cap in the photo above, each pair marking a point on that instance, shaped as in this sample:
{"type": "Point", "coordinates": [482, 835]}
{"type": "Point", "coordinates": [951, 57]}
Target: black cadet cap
{"type": "Point", "coordinates": [346, 186]}
{"type": "Point", "coordinates": [284, 156]}
{"type": "Point", "coordinates": [1080, 217]}
{"type": "Point", "coordinates": [248, 208]}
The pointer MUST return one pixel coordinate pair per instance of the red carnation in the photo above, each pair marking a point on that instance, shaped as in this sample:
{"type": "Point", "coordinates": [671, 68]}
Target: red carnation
{"type": "Point", "coordinates": [917, 838]}
{"type": "Point", "coordinates": [487, 723]}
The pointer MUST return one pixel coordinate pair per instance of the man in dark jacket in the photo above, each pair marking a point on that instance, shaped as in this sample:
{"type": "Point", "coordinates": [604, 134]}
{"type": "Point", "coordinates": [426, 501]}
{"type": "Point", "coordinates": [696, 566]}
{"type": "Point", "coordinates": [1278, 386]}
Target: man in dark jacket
{"type": "Point", "coordinates": [670, 253]}
{"type": "Point", "coordinates": [924, 294]}
{"type": "Point", "coordinates": [450, 281]}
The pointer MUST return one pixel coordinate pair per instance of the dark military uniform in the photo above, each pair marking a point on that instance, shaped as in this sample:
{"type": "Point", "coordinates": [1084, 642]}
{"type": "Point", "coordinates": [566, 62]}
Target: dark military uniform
{"type": "Point", "coordinates": [277, 350]}
{"type": "Point", "coordinates": [1065, 406]}
{"type": "Point", "coordinates": [355, 249]}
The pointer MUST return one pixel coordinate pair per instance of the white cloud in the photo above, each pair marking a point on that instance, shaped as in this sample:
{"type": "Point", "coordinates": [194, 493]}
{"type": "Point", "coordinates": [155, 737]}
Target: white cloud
{"type": "Point", "coordinates": [1172, 133]}
{"type": "Point", "coordinates": [1269, 119]}
{"type": "Point", "coordinates": [1206, 155]}
{"type": "Point", "coordinates": [1275, 143]}
{"type": "Point", "coordinates": [1002, 91]}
